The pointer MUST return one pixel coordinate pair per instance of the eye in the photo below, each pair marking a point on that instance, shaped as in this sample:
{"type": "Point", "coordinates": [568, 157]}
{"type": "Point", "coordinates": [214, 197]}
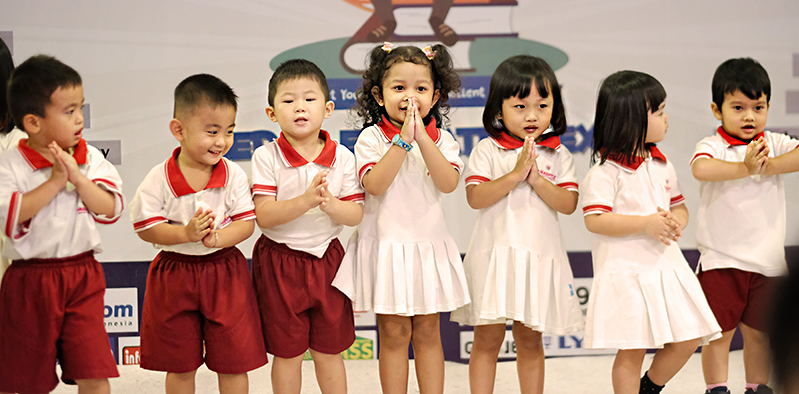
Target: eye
{"type": "Point", "coordinates": [288, 101]}
{"type": "Point", "coordinates": [421, 89]}
{"type": "Point", "coordinates": [542, 106]}
{"type": "Point", "coordinates": [399, 88]}
{"type": "Point", "coordinates": [212, 132]}
{"type": "Point", "coordinates": [737, 107]}
{"type": "Point", "coordinates": [759, 107]}
{"type": "Point", "coordinates": [519, 106]}
{"type": "Point", "coordinates": [310, 99]}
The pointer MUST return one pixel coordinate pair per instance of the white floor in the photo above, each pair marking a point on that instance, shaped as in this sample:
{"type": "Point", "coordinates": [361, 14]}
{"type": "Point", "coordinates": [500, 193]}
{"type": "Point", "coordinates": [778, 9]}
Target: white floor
{"type": "Point", "coordinates": [564, 375]}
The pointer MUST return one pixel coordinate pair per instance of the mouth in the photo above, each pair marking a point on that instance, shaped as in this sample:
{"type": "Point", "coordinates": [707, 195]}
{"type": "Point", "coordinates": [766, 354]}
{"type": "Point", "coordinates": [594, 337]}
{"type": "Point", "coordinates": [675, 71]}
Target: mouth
{"type": "Point", "coordinates": [301, 120]}
{"type": "Point", "coordinates": [748, 128]}
{"type": "Point", "coordinates": [79, 132]}
{"type": "Point", "coordinates": [530, 129]}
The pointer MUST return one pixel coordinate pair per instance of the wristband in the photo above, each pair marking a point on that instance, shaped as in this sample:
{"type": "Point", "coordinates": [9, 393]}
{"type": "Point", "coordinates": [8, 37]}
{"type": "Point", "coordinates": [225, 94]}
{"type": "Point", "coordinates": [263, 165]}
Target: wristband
{"type": "Point", "coordinates": [402, 144]}
{"type": "Point", "coordinates": [216, 238]}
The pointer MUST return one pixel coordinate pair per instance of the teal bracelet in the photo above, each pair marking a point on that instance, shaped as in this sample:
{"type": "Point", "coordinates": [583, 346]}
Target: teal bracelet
{"type": "Point", "coordinates": [402, 144]}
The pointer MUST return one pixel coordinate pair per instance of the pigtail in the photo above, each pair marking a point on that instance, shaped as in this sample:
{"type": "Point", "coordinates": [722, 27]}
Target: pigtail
{"type": "Point", "coordinates": [366, 107]}
{"type": "Point", "coordinates": [446, 79]}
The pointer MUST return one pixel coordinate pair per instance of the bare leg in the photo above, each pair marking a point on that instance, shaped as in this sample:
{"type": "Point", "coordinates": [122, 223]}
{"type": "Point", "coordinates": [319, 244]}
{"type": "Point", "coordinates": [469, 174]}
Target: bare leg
{"type": "Point", "coordinates": [483, 359]}
{"type": "Point", "coordinates": [627, 371]}
{"type": "Point", "coordinates": [180, 383]}
{"type": "Point", "coordinates": [428, 353]}
{"type": "Point", "coordinates": [529, 359]}
{"type": "Point", "coordinates": [233, 384]}
{"type": "Point", "coordinates": [716, 358]}
{"type": "Point", "coordinates": [287, 375]}
{"type": "Point", "coordinates": [93, 386]}
{"type": "Point", "coordinates": [395, 336]}
{"type": "Point", "coordinates": [330, 372]}
{"type": "Point", "coordinates": [669, 360]}
{"type": "Point", "coordinates": [757, 362]}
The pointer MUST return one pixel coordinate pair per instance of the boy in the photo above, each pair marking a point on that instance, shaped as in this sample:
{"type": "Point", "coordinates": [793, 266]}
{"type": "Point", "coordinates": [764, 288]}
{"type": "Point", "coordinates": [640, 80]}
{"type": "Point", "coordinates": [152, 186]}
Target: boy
{"type": "Point", "coordinates": [305, 189]}
{"type": "Point", "coordinates": [54, 189]}
{"type": "Point", "coordinates": [196, 206]}
{"type": "Point", "coordinates": [741, 231]}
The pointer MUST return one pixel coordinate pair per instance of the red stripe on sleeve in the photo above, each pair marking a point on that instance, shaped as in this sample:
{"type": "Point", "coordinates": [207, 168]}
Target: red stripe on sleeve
{"type": "Point", "coordinates": [569, 185]}
{"type": "Point", "coordinates": [138, 226]}
{"type": "Point", "coordinates": [247, 215]}
{"type": "Point", "coordinates": [354, 197]}
{"type": "Point", "coordinates": [677, 200]}
{"type": "Point", "coordinates": [476, 179]}
{"type": "Point", "coordinates": [264, 189]}
{"type": "Point", "coordinates": [591, 209]}
{"type": "Point", "coordinates": [698, 155]}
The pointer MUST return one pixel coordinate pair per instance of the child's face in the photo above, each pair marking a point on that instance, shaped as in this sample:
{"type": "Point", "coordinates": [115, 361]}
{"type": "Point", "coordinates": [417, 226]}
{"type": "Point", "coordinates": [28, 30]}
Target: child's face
{"type": "Point", "coordinates": [529, 116]}
{"type": "Point", "coordinates": [300, 108]}
{"type": "Point", "coordinates": [402, 81]}
{"type": "Point", "coordinates": [63, 118]}
{"type": "Point", "coordinates": [658, 124]}
{"type": "Point", "coordinates": [741, 116]}
{"type": "Point", "coordinates": [205, 134]}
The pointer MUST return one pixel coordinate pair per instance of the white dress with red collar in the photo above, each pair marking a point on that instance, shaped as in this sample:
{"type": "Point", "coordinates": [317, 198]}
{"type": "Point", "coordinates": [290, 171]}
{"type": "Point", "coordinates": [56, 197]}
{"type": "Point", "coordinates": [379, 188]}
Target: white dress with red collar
{"type": "Point", "coordinates": [741, 222]}
{"type": "Point", "coordinates": [644, 294]}
{"type": "Point", "coordinates": [64, 227]}
{"type": "Point", "coordinates": [164, 196]}
{"type": "Point", "coordinates": [516, 265]}
{"type": "Point", "coordinates": [402, 260]}
{"type": "Point", "coordinates": [278, 170]}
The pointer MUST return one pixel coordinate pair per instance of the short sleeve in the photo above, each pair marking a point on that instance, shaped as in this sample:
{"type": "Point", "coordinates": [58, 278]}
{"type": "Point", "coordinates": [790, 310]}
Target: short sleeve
{"type": "Point", "coordinates": [782, 143]}
{"type": "Point", "coordinates": [450, 149]}
{"type": "Point", "coordinates": [238, 201]}
{"type": "Point", "coordinates": [368, 151]}
{"type": "Point", "coordinates": [263, 171]}
{"type": "Point", "coordinates": [350, 184]}
{"type": "Point", "coordinates": [106, 176]}
{"type": "Point", "coordinates": [567, 175]}
{"type": "Point", "coordinates": [10, 203]}
{"type": "Point", "coordinates": [148, 206]}
{"type": "Point", "coordinates": [705, 148]}
{"type": "Point", "coordinates": [479, 168]}
{"type": "Point", "coordinates": [599, 190]}
{"type": "Point", "coordinates": [673, 186]}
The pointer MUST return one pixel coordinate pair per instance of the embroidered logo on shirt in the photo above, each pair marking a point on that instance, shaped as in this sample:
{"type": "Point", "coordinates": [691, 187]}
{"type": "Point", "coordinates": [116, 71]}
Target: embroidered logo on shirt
{"type": "Point", "coordinates": [668, 187]}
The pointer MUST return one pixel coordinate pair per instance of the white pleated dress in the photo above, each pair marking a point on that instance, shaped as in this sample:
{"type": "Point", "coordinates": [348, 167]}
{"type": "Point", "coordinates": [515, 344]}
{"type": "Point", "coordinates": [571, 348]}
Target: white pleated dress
{"type": "Point", "coordinates": [644, 293]}
{"type": "Point", "coordinates": [402, 260]}
{"type": "Point", "coordinates": [516, 266]}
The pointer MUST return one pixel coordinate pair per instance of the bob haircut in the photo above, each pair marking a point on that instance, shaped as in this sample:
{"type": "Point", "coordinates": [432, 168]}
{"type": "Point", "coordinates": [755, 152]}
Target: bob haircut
{"type": "Point", "coordinates": [742, 74]}
{"type": "Point", "coordinates": [622, 115]}
{"type": "Point", "coordinates": [514, 77]}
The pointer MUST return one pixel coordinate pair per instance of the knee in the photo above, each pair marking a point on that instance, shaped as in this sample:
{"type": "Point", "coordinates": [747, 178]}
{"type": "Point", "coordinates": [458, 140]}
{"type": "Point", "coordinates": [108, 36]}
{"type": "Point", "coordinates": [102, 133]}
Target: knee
{"type": "Point", "coordinates": [487, 343]}
{"type": "Point", "coordinates": [688, 346]}
{"type": "Point", "coordinates": [395, 336]}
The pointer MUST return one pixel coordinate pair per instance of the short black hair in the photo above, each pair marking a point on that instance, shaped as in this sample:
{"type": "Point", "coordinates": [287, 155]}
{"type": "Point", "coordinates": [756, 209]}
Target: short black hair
{"type": "Point", "coordinates": [622, 115]}
{"type": "Point", "coordinates": [34, 81]}
{"type": "Point", "coordinates": [514, 77]}
{"type": "Point", "coordinates": [296, 69]}
{"type": "Point", "coordinates": [740, 74]}
{"type": "Point", "coordinates": [6, 68]}
{"type": "Point", "coordinates": [202, 89]}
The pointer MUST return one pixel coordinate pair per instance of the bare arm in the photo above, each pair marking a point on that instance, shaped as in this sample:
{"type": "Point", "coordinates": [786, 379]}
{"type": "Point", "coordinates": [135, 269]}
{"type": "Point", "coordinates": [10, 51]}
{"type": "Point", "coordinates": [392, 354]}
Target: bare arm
{"type": "Point", "coordinates": [94, 197]}
{"type": "Point", "coordinates": [229, 236]}
{"type": "Point", "coordinates": [348, 213]}
{"type": "Point", "coordinates": [377, 180]}
{"type": "Point", "coordinates": [173, 234]}
{"type": "Point", "coordinates": [783, 164]}
{"type": "Point", "coordinates": [713, 170]}
{"type": "Point", "coordinates": [558, 198]}
{"type": "Point", "coordinates": [445, 177]}
{"type": "Point", "coordinates": [488, 193]}
{"type": "Point", "coordinates": [661, 225]}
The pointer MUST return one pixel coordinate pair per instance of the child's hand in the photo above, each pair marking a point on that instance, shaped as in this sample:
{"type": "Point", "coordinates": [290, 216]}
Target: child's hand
{"type": "Point", "coordinates": [315, 193]}
{"type": "Point", "coordinates": [327, 197]}
{"type": "Point", "coordinates": [525, 160]}
{"type": "Point", "coordinates": [533, 176]}
{"type": "Point", "coordinates": [663, 226]}
{"type": "Point", "coordinates": [412, 128]}
{"type": "Point", "coordinates": [756, 157]}
{"type": "Point", "coordinates": [60, 174]}
{"type": "Point", "coordinates": [210, 239]}
{"type": "Point", "coordinates": [200, 225]}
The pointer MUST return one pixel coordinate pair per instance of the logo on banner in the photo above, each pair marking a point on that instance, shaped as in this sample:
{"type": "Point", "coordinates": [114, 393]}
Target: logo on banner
{"type": "Point", "coordinates": [129, 350]}
{"type": "Point", "coordinates": [121, 310]}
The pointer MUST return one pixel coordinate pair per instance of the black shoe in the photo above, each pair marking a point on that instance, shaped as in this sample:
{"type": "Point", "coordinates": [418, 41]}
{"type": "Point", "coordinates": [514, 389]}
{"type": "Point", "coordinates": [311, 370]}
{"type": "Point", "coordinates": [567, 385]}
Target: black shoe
{"type": "Point", "coordinates": [719, 390]}
{"type": "Point", "coordinates": [761, 389]}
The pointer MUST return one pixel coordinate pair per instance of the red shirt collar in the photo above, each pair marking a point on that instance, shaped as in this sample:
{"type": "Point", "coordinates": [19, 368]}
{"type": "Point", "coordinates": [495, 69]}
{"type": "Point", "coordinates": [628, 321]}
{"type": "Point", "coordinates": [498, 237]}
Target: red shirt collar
{"type": "Point", "coordinates": [389, 130]}
{"type": "Point", "coordinates": [326, 158]}
{"type": "Point", "coordinates": [654, 152]}
{"type": "Point", "coordinates": [178, 184]}
{"type": "Point", "coordinates": [732, 140]}
{"type": "Point", "coordinates": [37, 161]}
{"type": "Point", "coordinates": [506, 141]}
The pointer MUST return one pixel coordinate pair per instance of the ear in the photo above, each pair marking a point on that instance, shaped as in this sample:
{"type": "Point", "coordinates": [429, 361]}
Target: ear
{"type": "Point", "coordinates": [377, 95]}
{"type": "Point", "coordinates": [329, 107]}
{"type": "Point", "coordinates": [31, 123]}
{"type": "Point", "coordinates": [716, 110]}
{"type": "Point", "coordinates": [177, 129]}
{"type": "Point", "coordinates": [270, 113]}
{"type": "Point", "coordinates": [436, 95]}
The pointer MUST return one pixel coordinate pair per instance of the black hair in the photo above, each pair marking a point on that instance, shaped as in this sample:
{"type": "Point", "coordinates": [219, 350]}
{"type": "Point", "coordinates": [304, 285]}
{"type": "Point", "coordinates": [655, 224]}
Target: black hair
{"type": "Point", "coordinates": [742, 74]}
{"type": "Point", "coordinates": [296, 69]}
{"type": "Point", "coordinates": [202, 89]}
{"type": "Point", "coordinates": [6, 68]}
{"type": "Point", "coordinates": [514, 77]}
{"type": "Point", "coordinates": [34, 81]}
{"type": "Point", "coordinates": [622, 115]}
{"type": "Point", "coordinates": [445, 80]}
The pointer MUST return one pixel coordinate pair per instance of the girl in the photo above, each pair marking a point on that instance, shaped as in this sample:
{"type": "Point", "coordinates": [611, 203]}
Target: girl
{"type": "Point", "coordinates": [644, 294]}
{"type": "Point", "coordinates": [519, 178]}
{"type": "Point", "coordinates": [402, 263]}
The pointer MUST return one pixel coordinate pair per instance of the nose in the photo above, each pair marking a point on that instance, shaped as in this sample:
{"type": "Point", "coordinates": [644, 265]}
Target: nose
{"type": "Point", "coordinates": [79, 118]}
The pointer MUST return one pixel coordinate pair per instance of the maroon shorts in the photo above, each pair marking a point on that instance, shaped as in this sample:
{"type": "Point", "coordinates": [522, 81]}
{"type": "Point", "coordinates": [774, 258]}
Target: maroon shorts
{"type": "Point", "coordinates": [300, 308]}
{"type": "Point", "coordinates": [53, 309]}
{"type": "Point", "coordinates": [737, 296]}
{"type": "Point", "coordinates": [191, 301]}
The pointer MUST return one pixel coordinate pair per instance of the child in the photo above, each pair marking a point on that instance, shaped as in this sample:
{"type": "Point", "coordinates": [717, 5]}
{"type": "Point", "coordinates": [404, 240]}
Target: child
{"type": "Point", "coordinates": [196, 206]}
{"type": "Point", "coordinates": [741, 231]}
{"type": "Point", "coordinates": [305, 190]}
{"type": "Point", "coordinates": [54, 189]}
{"type": "Point", "coordinates": [519, 178]}
{"type": "Point", "coordinates": [402, 263]}
{"type": "Point", "coordinates": [9, 135]}
{"type": "Point", "coordinates": [644, 294]}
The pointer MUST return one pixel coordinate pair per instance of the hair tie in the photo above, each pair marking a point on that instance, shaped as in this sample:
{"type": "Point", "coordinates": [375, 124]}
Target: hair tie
{"type": "Point", "coordinates": [429, 52]}
{"type": "Point", "coordinates": [387, 46]}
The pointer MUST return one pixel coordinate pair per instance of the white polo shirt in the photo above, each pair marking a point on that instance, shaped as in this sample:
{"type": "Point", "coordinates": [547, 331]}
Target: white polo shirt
{"type": "Point", "coordinates": [741, 222]}
{"type": "Point", "coordinates": [64, 227]}
{"type": "Point", "coordinates": [164, 196]}
{"type": "Point", "coordinates": [278, 170]}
